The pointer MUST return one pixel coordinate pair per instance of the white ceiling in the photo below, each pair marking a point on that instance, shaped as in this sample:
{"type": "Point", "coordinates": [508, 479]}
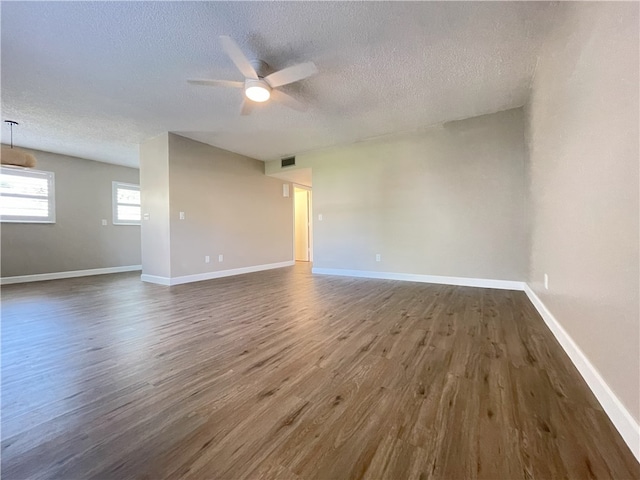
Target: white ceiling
{"type": "Point", "coordinates": [95, 79]}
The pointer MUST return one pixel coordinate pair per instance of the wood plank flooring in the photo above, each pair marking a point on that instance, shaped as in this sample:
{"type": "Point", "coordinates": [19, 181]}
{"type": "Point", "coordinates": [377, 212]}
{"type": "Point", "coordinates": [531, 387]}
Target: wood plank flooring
{"type": "Point", "coordinates": [281, 374]}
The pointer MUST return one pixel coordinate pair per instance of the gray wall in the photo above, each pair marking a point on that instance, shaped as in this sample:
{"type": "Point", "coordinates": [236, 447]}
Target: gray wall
{"type": "Point", "coordinates": [583, 143]}
{"type": "Point", "coordinates": [231, 208]}
{"type": "Point", "coordinates": [446, 201]}
{"type": "Point", "coordinates": [77, 241]}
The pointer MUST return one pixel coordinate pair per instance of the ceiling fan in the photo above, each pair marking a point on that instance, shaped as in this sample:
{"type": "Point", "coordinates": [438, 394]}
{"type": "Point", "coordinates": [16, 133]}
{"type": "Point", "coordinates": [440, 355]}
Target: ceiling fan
{"type": "Point", "coordinates": [260, 84]}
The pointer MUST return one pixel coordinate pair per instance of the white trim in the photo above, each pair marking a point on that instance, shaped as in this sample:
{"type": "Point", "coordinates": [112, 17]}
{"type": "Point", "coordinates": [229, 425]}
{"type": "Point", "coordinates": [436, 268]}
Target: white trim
{"type": "Point", "coordinates": [198, 277]}
{"type": "Point", "coordinates": [613, 407]}
{"type": "Point", "coordinates": [50, 177]}
{"type": "Point", "coordinates": [155, 279]}
{"type": "Point", "coordinates": [115, 185]}
{"type": "Point", "coordinates": [39, 277]}
{"type": "Point", "coordinates": [412, 277]}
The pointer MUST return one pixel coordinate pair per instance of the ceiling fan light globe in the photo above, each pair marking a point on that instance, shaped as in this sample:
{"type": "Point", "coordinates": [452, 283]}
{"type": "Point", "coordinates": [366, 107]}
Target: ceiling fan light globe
{"type": "Point", "coordinates": [257, 90]}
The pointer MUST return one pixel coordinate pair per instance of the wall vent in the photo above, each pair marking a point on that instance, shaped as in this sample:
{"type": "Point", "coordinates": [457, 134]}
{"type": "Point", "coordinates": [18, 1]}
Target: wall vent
{"type": "Point", "coordinates": [288, 162]}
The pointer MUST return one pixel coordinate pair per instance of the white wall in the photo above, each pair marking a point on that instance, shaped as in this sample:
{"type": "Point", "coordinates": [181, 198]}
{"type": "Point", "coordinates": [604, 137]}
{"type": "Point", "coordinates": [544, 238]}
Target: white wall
{"type": "Point", "coordinates": [583, 143]}
{"type": "Point", "coordinates": [447, 201]}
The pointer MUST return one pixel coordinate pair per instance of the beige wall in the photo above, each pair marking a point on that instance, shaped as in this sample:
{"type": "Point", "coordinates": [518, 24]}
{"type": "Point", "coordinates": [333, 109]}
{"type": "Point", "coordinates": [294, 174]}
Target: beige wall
{"type": "Point", "coordinates": [154, 196]}
{"type": "Point", "coordinates": [231, 208]}
{"type": "Point", "coordinates": [583, 143]}
{"type": "Point", "coordinates": [446, 201]}
{"type": "Point", "coordinates": [77, 241]}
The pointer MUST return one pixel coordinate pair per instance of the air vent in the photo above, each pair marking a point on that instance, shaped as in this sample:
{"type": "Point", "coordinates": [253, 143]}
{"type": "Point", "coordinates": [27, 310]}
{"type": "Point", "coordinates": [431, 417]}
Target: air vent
{"type": "Point", "coordinates": [288, 162]}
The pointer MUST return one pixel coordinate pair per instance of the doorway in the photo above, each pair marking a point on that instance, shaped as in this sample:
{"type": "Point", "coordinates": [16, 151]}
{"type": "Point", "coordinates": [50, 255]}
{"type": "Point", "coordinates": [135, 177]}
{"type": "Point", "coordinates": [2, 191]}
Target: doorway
{"type": "Point", "coordinates": [302, 224]}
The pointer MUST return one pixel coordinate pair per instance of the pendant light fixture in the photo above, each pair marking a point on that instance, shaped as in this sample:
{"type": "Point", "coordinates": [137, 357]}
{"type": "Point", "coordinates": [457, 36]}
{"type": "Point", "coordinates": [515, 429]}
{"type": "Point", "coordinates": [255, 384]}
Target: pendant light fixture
{"type": "Point", "coordinates": [15, 156]}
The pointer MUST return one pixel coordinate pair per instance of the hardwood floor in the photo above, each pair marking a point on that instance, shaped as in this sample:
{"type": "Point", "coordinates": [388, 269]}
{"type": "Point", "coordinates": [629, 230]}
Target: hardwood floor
{"type": "Point", "coordinates": [280, 374]}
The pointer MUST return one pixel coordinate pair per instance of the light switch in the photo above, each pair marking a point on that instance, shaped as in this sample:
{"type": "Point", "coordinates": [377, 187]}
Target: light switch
{"type": "Point", "coordinates": [104, 222]}
{"type": "Point", "coordinates": [319, 217]}
{"type": "Point", "coordinates": [181, 215]}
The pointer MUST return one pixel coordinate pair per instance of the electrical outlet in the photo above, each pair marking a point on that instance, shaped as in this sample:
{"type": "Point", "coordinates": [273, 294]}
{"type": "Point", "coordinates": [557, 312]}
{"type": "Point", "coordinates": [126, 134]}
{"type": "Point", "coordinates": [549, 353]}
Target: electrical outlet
{"type": "Point", "coordinates": [104, 222]}
{"type": "Point", "coordinates": [181, 215]}
{"type": "Point", "coordinates": [145, 216]}
{"type": "Point", "coordinates": [546, 281]}
{"type": "Point", "coordinates": [207, 259]}
{"type": "Point", "coordinates": [220, 258]}
{"type": "Point", "coordinates": [377, 257]}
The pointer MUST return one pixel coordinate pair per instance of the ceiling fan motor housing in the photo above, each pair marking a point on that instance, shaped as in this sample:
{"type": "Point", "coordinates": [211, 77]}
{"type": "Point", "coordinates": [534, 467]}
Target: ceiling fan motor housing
{"type": "Point", "coordinates": [262, 68]}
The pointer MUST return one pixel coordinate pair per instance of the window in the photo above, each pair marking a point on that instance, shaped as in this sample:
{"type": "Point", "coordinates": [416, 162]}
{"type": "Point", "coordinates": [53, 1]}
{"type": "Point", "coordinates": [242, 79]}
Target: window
{"type": "Point", "coordinates": [126, 204]}
{"type": "Point", "coordinates": [27, 196]}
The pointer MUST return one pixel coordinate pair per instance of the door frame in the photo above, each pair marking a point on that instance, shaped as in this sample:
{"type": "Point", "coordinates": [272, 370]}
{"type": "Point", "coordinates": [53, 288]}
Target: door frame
{"type": "Point", "coordinates": [309, 216]}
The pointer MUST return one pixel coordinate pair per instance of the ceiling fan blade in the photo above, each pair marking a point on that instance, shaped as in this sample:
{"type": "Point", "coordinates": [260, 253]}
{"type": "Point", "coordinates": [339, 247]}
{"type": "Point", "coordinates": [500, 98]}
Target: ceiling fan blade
{"type": "Point", "coordinates": [247, 107]}
{"type": "Point", "coordinates": [288, 100]}
{"type": "Point", "coordinates": [237, 57]}
{"type": "Point", "coordinates": [291, 74]}
{"type": "Point", "coordinates": [217, 83]}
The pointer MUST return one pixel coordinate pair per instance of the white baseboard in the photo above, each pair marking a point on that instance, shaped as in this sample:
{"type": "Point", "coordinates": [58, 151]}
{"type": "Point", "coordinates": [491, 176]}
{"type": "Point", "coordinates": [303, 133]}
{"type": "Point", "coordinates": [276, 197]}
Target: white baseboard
{"type": "Point", "coordinates": [39, 277]}
{"type": "Point", "coordinates": [411, 277]}
{"type": "Point", "coordinates": [155, 279]}
{"type": "Point", "coordinates": [613, 407]}
{"type": "Point", "coordinates": [198, 277]}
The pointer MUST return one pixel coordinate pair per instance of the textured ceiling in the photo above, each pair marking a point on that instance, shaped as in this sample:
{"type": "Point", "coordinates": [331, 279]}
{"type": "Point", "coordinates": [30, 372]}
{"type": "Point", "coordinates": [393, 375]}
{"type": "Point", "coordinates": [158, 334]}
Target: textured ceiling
{"type": "Point", "coordinates": [95, 79]}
